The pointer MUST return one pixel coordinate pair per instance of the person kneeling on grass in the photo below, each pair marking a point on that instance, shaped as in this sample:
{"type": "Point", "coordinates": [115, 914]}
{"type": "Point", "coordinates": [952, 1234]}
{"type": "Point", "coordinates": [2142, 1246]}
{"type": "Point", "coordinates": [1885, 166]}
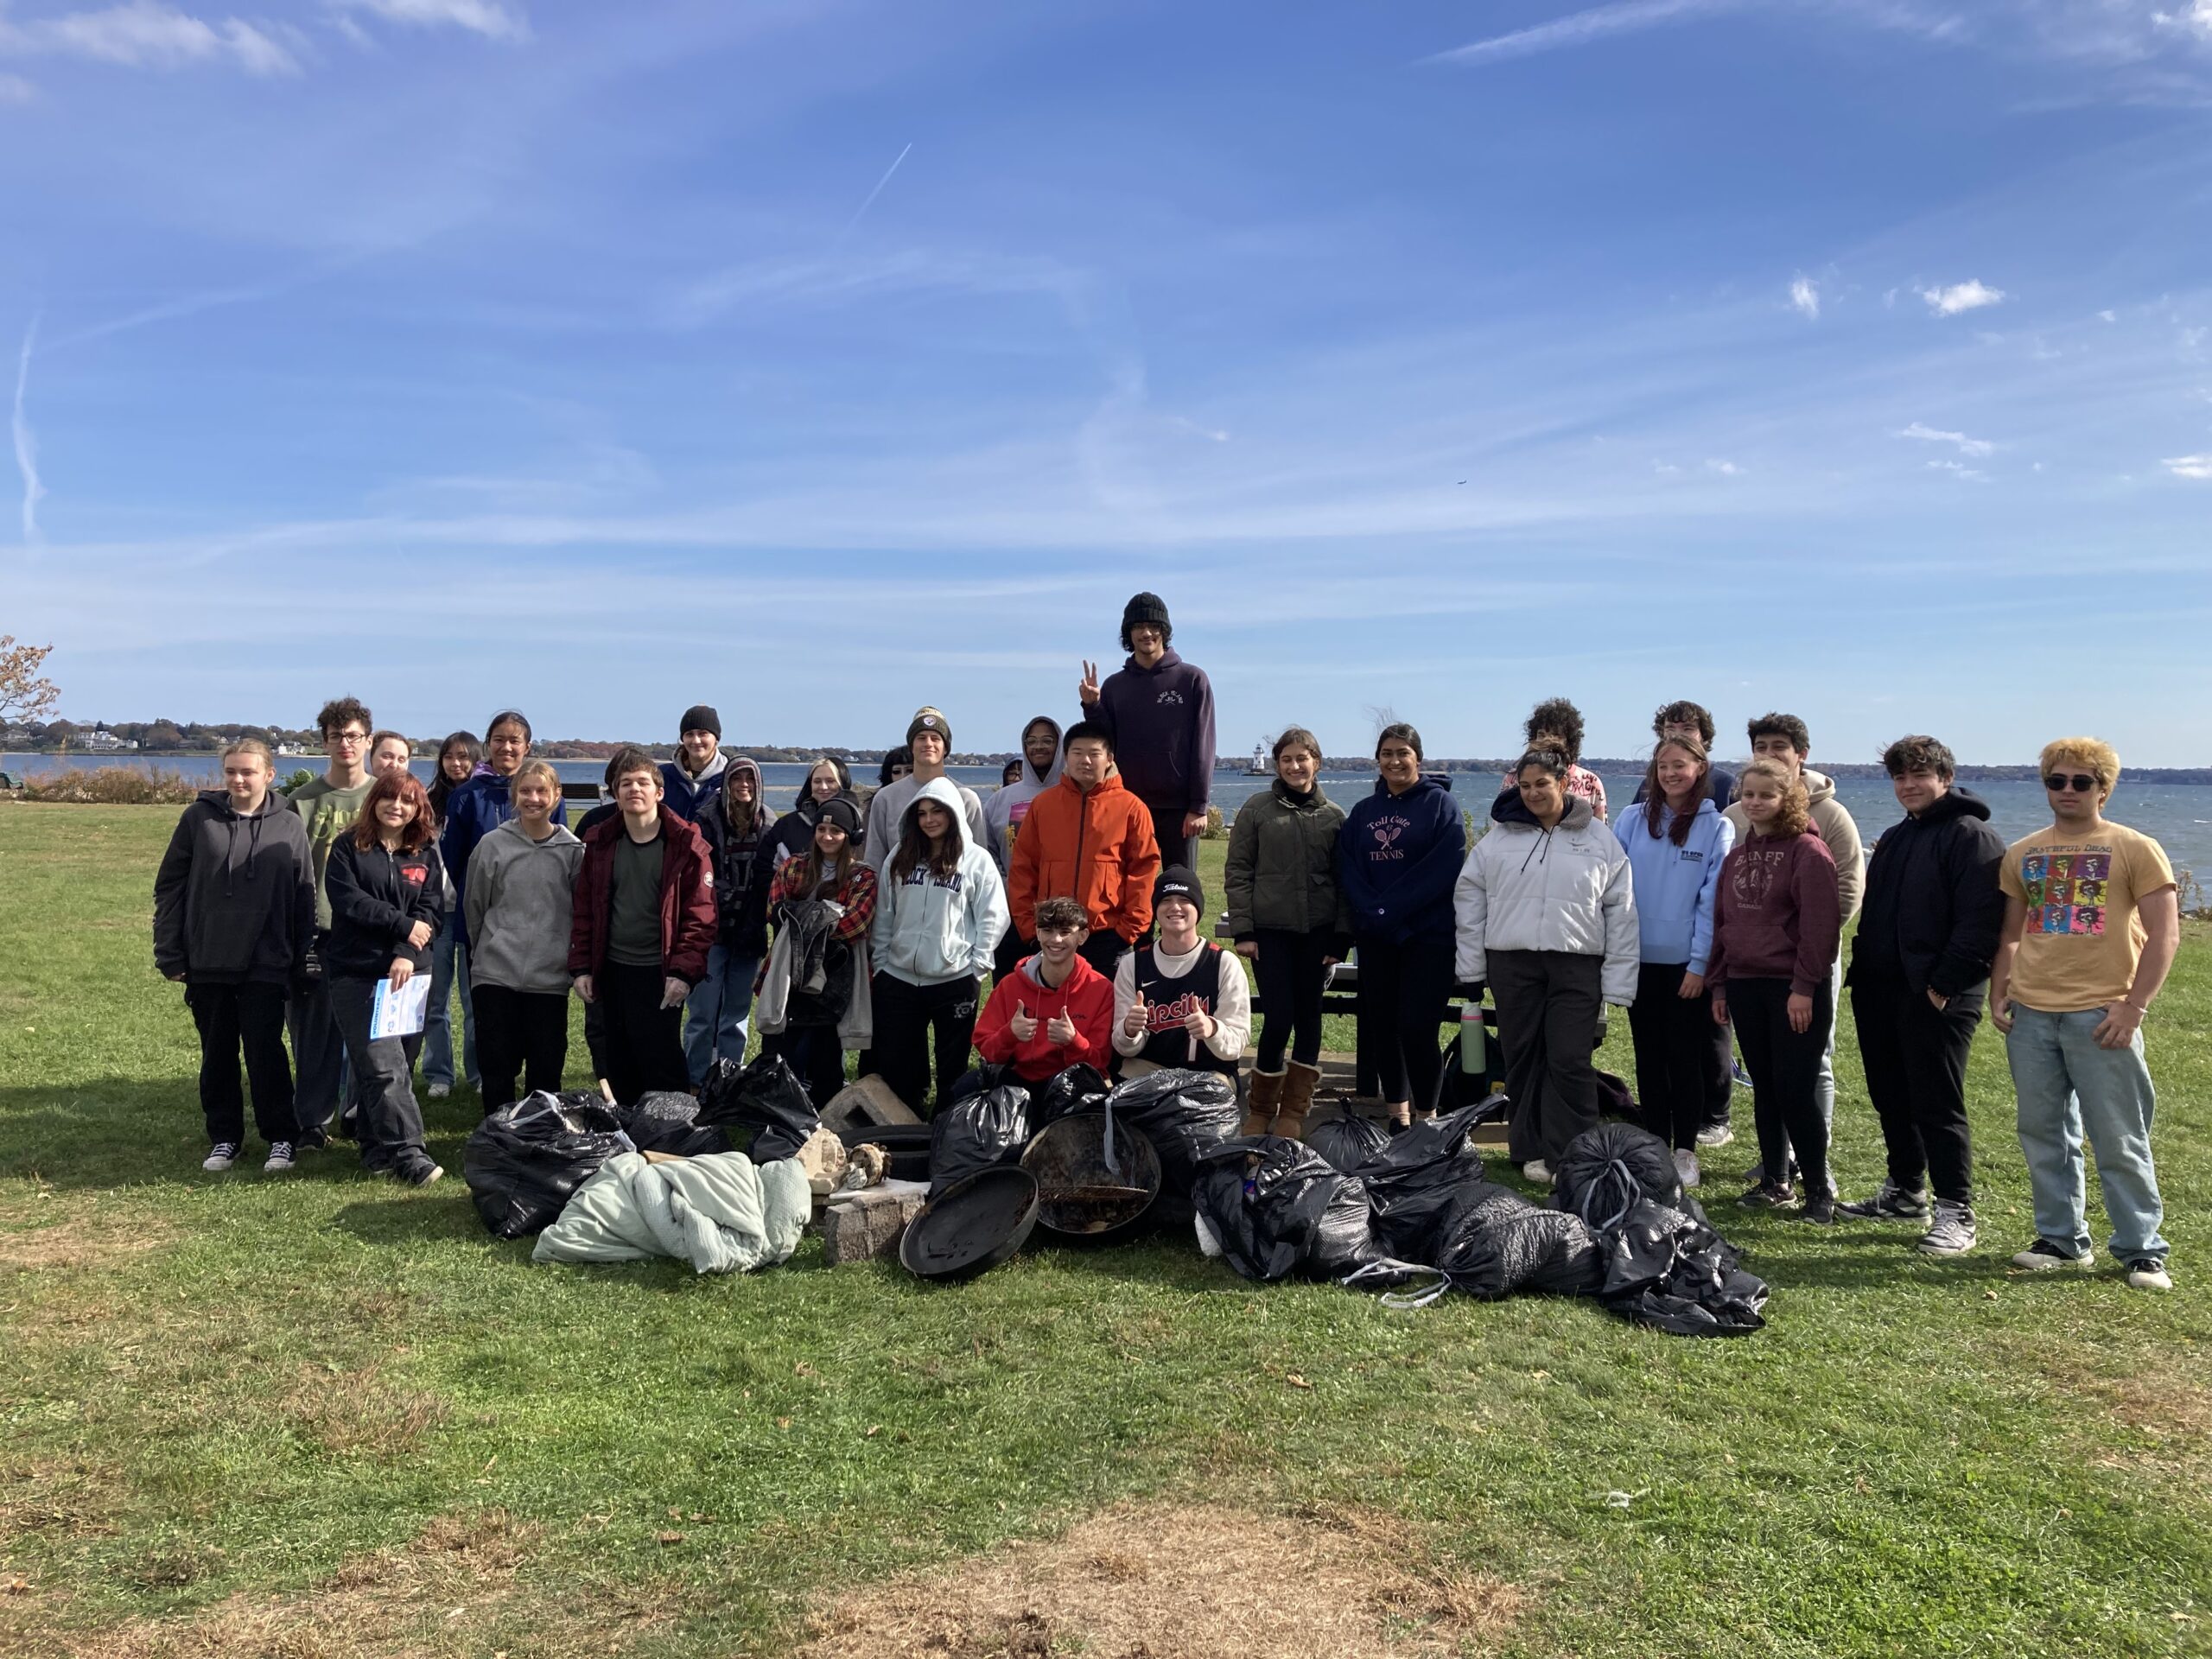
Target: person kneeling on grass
{"type": "Point", "coordinates": [522, 882]}
{"type": "Point", "coordinates": [1053, 1011]}
{"type": "Point", "coordinates": [387, 888]}
{"type": "Point", "coordinates": [1774, 944]}
{"type": "Point", "coordinates": [234, 920]}
{"type": "Point", "coordinates": [2092, 921]}
{"type": "Point", "coordinates": [644, 920]}
{"type": "Point", "coordinates": [1181, 1002]}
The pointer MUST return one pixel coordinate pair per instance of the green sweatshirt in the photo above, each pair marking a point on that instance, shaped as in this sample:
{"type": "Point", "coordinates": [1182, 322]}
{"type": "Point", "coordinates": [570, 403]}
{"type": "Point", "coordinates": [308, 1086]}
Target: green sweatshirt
{"type": "Point", "coordinates": [328, 812]}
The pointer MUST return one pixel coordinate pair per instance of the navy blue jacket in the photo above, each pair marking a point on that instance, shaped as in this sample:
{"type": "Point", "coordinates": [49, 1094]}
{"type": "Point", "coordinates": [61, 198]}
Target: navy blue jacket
{"type": "Point", "coordinates": [1397, 859]}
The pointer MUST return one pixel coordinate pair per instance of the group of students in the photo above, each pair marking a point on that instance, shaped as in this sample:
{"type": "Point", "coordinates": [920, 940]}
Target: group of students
{"type": "Point", "coordinates": [682, 913]}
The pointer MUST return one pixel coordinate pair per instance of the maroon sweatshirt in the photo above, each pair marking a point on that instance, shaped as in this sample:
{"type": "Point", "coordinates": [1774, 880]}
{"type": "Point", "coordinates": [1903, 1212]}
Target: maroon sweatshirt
{"type": "Point", "coordinates": [1778, 916]}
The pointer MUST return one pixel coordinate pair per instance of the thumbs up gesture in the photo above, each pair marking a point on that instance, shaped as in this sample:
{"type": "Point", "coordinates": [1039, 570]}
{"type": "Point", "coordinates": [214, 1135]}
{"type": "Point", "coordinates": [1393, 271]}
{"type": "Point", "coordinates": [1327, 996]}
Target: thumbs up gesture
{"type": "Point", "coordinates": [1060, 1030]}
{"type": "Point", "coordinates": [1023, 1025]}
{"type": "Point", "coordinates": [1133, 1022]}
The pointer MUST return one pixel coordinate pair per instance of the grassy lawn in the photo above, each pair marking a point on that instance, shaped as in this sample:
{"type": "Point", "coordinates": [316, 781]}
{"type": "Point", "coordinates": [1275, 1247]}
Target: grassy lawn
{"type": "Point", "coordinates": [319, 1415]}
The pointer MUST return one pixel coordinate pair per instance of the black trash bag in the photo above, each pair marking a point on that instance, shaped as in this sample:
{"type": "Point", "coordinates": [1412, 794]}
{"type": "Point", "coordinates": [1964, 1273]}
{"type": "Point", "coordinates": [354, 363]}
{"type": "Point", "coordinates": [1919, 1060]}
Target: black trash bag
{"type": "Point", "coordinates": [1419, 1180]}
{"type": "Point", "coordinates": [1498, 1243]}
{"type": "Point", "coordinates": [975, 1134]}
{"type": "Point", "coordinates": [525, 1160]}
{"type": "Point", "coordinates": [1185, 1114]}
{"type": "Point", "coordinates": [1073, 1088]}
{"type": "Point", "coordinates": [766, 1097]}
{"type": "Point", "coordinates": [1277, 1207]}
{"type": "Point", "coordinates": [1606, 1170]}
{"type": "Point", "coordinates": [1348, 1141]}
{"type": "Point", "coordinates": [663, 1122]}
{"type": "Point", "coordinates": [1667, 1269]}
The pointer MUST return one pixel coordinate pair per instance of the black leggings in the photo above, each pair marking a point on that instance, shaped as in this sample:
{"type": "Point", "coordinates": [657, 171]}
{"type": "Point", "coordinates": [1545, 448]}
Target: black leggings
{"type": "Point", "coordinates": [909, 1017]}
{"type": "Point", "coordinates": [1403, 991]}
{"type": "Point", "coordinates": [520, 1035]}
{"type": "Point", "coordinates": [1681, 1054]}
{"type": "Point", "coordinates": [1785, 1065]}
{"type": "Point", "coordinates": [1290, 972]}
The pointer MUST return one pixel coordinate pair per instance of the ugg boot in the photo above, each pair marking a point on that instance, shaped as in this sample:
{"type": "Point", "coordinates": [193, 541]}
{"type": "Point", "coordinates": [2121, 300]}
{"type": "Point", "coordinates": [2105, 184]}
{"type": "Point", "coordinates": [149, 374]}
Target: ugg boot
{"type": "Point", "coordinates": [1261, 1102]}
{"type": "Point", "coordinates": [1297, 1100]}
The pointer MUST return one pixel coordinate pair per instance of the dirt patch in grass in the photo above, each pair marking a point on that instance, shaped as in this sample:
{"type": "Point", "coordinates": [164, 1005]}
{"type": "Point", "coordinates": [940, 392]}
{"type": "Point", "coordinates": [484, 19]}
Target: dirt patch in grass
{"type": "Point", "coordinates": [58, 1497]}
{"type": "Point", "coordinates": [83, 1238]}
{"type": "Point", "coordinates": [358, 1414]}
{"type": "Point", "coordinates": [2159, 1399]}
{"type": "Point", "coordinates": [1156, 1582]}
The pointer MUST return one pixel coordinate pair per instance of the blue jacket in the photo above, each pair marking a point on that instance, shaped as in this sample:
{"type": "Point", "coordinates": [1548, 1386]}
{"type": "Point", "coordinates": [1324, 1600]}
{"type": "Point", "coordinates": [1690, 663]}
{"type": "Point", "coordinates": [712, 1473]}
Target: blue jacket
{"type": "Point", "coordinates": [689, 797]}
{"type": "Point", "coordinates": [1676, 887]}
{"type": "Point", "coordinates": [1397, 858]}
{"type": "Point", "coordinates": [472, 811]}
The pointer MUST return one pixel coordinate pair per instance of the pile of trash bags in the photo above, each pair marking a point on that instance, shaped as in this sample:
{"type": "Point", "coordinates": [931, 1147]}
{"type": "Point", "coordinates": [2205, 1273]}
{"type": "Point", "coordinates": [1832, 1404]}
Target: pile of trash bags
{"type": "Point", "coordinates": [523, 1162]}
{"type": "Point", "coordinates": [975, 1134]}
{"type": "Point", "coordinates": [1273, 1207]}
{"type": "Point", "coordinates": [763, 1103]}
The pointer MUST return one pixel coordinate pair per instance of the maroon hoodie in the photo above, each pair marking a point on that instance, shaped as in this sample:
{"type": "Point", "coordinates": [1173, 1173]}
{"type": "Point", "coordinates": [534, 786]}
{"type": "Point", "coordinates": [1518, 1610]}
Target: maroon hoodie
{"type": "Point", "coordinates": [1778, 916]}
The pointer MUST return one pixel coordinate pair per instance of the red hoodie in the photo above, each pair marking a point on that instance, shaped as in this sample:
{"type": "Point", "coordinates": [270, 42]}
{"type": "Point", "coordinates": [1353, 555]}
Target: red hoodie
{"type": "Point", "coordinates": [1777, 916]}
{"type": "Point", "coordinates": [1088, 996]}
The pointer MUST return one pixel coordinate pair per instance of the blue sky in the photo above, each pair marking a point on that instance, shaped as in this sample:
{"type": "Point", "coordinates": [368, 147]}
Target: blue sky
{"type": "Point", "coordinates": [820, 359]}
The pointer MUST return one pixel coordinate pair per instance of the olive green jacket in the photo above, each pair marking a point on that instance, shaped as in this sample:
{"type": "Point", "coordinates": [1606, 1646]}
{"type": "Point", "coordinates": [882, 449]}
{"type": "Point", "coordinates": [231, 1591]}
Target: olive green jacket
{"type": "Point", "coordinates": [1283, 866]}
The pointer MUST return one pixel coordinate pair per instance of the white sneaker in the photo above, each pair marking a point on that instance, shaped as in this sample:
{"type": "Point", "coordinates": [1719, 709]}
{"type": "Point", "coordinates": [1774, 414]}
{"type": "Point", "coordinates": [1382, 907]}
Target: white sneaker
{"type": "Point", "coordinates": [2043, 1256]}
{"type": "Point", "coordinates": [224, 1154]}
{"type": "Point", "coordinates": [1685, 1168]}
{"type": "Point", "coordinates": [2148, 1273]}
{"type": "Point", "coordinates": [1952, 1232]}
{"type": "Point", "coordinates": [1716, 1134]}
{"type": "Point", "coordinates": [280, 1158]}
{"type": "Point", "coordinates": [440, 1090]}
{"type": "Point", "coordinates": [1538, 1170]}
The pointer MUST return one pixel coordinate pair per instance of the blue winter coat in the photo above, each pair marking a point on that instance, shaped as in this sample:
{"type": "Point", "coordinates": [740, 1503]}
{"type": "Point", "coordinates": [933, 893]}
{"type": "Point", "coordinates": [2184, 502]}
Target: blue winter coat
{"type": "Point", "coordinates": [1397, 858]}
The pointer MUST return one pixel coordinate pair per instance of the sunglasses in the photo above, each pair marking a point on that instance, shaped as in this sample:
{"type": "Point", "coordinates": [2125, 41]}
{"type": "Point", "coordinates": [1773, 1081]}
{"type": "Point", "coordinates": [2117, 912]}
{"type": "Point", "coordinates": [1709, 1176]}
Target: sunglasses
{"type": "Point", "coordinates": [2059, 781]}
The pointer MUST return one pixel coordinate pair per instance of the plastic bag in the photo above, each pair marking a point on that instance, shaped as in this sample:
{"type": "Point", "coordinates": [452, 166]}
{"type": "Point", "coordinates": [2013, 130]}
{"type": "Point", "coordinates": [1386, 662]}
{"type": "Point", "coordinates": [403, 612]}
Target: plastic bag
{"type": "Point", "coordinates": [1185, 1114]}
{"type": "Point", "coordinates": [1276, 1207]}
{"type": "Point", "coordinates": [663, 1122]}
{"type": "Point", "coordinates": [1348, 1141]}
{"type": "Point", "coordinates": [1667, 1269]}
{"type": "Point", "coordinates": [523, 1161]}
{"type": "Point", "coordinates": [974, 1134]}
{"type": "Point", "coordinates": [1074, 1088]}
{"type": "Point", "coordinates": [767, 1097]}
{"type": "Point", "coordinates": [1606, 1170]}
{"type": "Point", "coordinates": [1498, 1243]}
{"type": "Point", "coordinates": [1418, 1181]}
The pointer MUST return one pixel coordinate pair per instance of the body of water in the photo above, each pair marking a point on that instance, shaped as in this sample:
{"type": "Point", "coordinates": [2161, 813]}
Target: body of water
{"type": "Point", "coordinates": [2179, 815]}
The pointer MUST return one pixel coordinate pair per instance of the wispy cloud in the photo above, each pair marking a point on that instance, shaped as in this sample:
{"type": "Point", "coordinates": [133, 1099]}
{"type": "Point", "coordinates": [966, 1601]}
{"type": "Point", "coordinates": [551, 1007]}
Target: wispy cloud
{"type": "Point", "coordinates": [145, 34]}
{"type": "Point", "coordinates": [1805, 294]}
{"type": "Point", "coordinates": [826, 280]}
{"type": "Point", "coordinates": [14, 89]}
{"type": "Point", "coordinates": [491, 18]}
{"type": "Point", "coordinates": [1969, 296]}
{"type": "Point", "coordinates": [26, 444]}
{"type": "Point", "coordinates": [1627, 16]}
{"type": "Point", "coordinates": [1958, 469]}
{"type": "Point", "coordinates": [2189, 466]}
{"type": "Point", "coordinates": [1931, 434]}
{"type": "Point", "coordinates": [1724, 468]}
{"type": "Point", "coordinates": [861, 212]}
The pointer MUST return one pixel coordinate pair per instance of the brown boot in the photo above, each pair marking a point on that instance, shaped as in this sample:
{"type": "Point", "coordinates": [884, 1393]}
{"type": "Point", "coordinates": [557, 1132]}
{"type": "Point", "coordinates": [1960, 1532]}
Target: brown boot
{"type": "Point", "coordinates": [1297, 1100]}
{"type": "Point", "coordinates": [1260, 1102]}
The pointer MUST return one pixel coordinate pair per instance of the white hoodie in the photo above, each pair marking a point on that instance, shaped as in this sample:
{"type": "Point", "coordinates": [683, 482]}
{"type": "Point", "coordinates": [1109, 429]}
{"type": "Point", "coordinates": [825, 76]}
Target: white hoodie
{"type": "Point", "coordinates": [931, 929]}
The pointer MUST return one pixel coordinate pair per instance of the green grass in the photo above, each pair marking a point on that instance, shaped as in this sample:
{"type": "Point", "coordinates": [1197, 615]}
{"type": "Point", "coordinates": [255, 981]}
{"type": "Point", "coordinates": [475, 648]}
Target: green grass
{"type": "Point", "coordinates": [215, 1391]}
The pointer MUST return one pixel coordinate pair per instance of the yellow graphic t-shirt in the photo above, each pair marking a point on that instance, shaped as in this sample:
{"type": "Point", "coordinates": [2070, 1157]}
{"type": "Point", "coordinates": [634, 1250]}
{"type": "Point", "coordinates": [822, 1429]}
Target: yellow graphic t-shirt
{"type": "Point", "coordinates": [2084, 934]}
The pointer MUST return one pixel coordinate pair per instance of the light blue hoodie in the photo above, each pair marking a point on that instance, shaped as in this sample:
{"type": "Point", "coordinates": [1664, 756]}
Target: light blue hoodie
{"type": "Point", "coordinates": [1676, 887]}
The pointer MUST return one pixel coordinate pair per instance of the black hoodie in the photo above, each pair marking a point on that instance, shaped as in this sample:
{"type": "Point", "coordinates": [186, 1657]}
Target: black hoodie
{"type": "Point", "coordinates": [1933, 909]}
{"type": "Point", "coordinates": [234, 899]}
{"type": "Point", "coordinates": [376, 897]}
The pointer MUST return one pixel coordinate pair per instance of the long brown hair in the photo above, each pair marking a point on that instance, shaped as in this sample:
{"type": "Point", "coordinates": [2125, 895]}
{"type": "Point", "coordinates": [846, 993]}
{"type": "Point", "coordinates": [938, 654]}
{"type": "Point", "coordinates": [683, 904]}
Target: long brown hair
{"type": "Point", "coordinates": [811, 874]}
{"type": "Point", "coordinates": [943, 856]}
{"type": "Point", "coordinates": [402, 785]}
{"type": "Point", "coordinates": [1796, 814]}
{"type": "Point", "coordinates": [1655, 799]}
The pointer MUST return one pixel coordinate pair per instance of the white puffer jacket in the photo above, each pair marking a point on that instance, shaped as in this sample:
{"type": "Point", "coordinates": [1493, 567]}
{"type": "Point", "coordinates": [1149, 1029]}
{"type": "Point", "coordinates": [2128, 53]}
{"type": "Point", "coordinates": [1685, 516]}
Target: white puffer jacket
{"type": "Point", "coordinates": [1524, 887]}
{"type": "Point", "coordinates": [930, 929]}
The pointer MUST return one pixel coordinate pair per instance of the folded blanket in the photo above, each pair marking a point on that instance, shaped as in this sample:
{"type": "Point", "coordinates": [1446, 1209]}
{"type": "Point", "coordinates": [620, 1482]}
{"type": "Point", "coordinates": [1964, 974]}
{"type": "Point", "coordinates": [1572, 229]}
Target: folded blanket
{"type": "Point", "coordinates": [722, 1213]}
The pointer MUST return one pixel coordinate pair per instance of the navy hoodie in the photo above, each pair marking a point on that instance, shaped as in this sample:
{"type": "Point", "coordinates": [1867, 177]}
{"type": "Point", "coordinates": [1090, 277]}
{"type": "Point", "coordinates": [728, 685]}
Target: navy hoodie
{"type": "Point", "coordinates": [1933, 910]}
{"type": "Point", "coordinates": [1398, 857]}
{"type": "Point", "coordinates": [1162, 721]}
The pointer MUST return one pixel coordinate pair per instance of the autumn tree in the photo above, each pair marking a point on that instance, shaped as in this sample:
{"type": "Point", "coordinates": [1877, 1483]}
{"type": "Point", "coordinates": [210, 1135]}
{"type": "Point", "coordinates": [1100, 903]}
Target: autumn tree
{"type": "Point", "coordinates": [23, 694]}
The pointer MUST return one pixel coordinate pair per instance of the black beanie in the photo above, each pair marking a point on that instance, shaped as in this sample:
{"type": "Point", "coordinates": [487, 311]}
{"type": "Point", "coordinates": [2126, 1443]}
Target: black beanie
{"type": "Point", "coordinates": [1177, 882]}
{"type": "Point", "coordinates": [841, 812]}
{"type": "Point", "coordinates": [1146, 607]}
{"type": "Point", "coordinates": [701, 717]}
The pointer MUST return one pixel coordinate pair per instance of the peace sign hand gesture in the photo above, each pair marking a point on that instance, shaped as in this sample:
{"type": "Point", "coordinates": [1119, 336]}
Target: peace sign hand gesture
{"type": "Point", "coordinates": [1088, 687]}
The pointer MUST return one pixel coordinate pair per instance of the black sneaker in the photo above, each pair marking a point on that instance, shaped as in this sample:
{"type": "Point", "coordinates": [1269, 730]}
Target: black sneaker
{"type": "Point", "coordinates": [2043, 1256]}
{"type": "Point", "coordinates": [1819, 1209]}
{"type": "Point", "coordinates": [1767, 1195]}
{"type": "Point", "coordinates": [311, 1140]}
{"type": "Point", "coordinates": [419, 1173]}
{"type": "Point", "coordinates": [1889, 1203]}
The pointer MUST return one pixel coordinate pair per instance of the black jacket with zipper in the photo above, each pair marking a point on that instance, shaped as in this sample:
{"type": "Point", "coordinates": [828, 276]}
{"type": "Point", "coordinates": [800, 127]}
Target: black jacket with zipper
{"type": "Point", "coordinates": [376, 897]}
{"type": "Point", "coordinates": [1933, 909]}
{"type": "Point", "coordinates": [234, 897]}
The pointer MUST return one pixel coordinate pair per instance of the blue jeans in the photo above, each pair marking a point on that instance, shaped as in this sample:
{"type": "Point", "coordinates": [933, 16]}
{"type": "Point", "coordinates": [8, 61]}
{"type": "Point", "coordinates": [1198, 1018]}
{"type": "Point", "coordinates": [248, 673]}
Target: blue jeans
{"type": "Point", "coordinates": [449, 973]}
{"type": "Point", "coordinates": [2066, 1083]}
{"type": "Point", "coordinates": [716, 1012]}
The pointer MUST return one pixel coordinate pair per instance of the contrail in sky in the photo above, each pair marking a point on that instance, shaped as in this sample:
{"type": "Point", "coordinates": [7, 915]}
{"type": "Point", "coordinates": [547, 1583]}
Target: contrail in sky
{"type": "Point", "coordinates": [26, 445]}
{"type": "Point", "coordinates": [873, 194]}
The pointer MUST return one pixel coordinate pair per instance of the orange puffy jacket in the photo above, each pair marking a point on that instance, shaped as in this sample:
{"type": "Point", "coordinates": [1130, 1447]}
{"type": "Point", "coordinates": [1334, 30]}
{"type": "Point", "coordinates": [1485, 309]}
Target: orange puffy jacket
{"type": "Point", "coordinates": [1096, 849]}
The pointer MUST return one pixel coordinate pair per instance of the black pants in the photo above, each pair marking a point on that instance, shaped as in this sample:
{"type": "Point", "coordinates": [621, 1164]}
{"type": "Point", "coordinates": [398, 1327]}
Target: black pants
{"type": "Point", "coordinates": [1012, 949]}
{"type": "Point", "coordinates": [909, 1017]}
{"type": "Point", "coordinates": [1104, 950]}
{"type": "Point", "coordinates": [643, 1042]}
{"type": "Point", "coordinates": [518, 1034]}
{"type": "Point", "coordinates": [1290, 971]}
{"type": "Point", "coordinates": [318, 1054]}
{"type": "Point", "coordinates": [1547, 1007]}
{"type": "Point", "coordinates": [815, 1055]}
{"type": "Point", "coordinates": [1175, 848]}
{"type": "Point", "coordinates": [1681, 1054]}
{"type": "Point", "coordinates": [249, 1017]}
{"type": "Point", "coordinates": [1785, 1068]}
{"type": "Point", "coordinates": [389, 1128]}
{"type": "Point", "coordinates": [1403, 990]}
{"type": "Point", "coordinates": [1915, 1061]}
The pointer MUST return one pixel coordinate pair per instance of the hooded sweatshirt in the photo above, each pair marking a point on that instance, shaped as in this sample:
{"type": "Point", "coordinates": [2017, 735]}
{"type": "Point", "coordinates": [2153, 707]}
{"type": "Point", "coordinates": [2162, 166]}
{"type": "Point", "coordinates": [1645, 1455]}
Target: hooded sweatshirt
{"type": "Point", "coordinates": [1778, 916]}
{"type": "Point", "coordinates": [1161, 721]}
{"type": "Point", "coordinates": [472, 811]}
{"type": "Point", "coordinates": [1085, 995]}
{"type": "Point", "coordinates": [1397, 856]}
{"type": "Point", "coordinates": [521, 909]}
{"type": "Point", "coordinates": [1932, 908]}
{"type": "Point", "coordinates": [930, 929]}
{"type": "Point", "coordinates": [1676, 887]}
{"type": "Point", "coordinates": [376, 897]}
{"type": "Point", "coordinates": [1835, 827]}
{"type": "Point", "coordinates": [234, 899]}
{"type": "Point", "coordinates": [1006, 807]}
{"type": "Point", "coordinates": [689, 795]}
{"type": "Point", "coordinates": [1094, 846]}
{"type": "Point", "coordinates": [1567, 888]}
{"type": "Point", "coordinates": [887, 806]}
{"type": "Point", "coordinates": [741, 863]}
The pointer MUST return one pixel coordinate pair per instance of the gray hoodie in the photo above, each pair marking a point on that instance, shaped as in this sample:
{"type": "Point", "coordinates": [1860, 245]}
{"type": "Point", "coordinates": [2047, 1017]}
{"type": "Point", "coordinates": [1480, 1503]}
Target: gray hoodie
{"type": "Point", "coordinates": [1008, 804]}
{"type": "Point", "coordinates": [521, 900]}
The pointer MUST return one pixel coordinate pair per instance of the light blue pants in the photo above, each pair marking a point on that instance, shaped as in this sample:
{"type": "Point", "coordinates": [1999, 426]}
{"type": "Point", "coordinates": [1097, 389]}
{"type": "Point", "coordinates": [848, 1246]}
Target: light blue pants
{"type": "Point", "coordinates": [449, 973]}
{"type": "Point", "coordinates": [2066, 1085]}
{"type": "Point", "coordinates": [716, 1012]}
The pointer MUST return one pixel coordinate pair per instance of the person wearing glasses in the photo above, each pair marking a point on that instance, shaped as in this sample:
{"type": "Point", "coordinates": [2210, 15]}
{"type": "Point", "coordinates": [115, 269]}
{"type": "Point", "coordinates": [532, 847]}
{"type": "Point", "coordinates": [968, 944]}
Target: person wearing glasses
{"type": "Point", "coordinates": [1919, 972]}
{"type": "Point", "coordinates": [328, 807]}
{"type": "Point", "coordinates": [2092, 921]}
